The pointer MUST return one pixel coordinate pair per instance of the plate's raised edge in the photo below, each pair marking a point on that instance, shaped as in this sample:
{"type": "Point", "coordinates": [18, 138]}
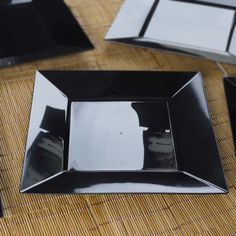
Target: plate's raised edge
{"type": "Point", "coordinates": [214, 189]}
{"type": "Point", "coordinates": [206, 182]}
{"type": "Point", "coordinates": [38, 75]}
{"type": "Point", "coordinates": [198, 75]}
{"type": "Point", "coordinates": [25, 190]}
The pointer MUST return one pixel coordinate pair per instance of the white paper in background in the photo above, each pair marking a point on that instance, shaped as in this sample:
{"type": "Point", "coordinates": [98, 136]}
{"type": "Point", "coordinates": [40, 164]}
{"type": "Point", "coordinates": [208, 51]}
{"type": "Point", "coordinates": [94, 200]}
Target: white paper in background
{"type": "Point", "coordinates": [130, 19]}
{"type": "Point", "coordinates": [105, 136]}
{"type": "Point", "coordinates": [181, 23]}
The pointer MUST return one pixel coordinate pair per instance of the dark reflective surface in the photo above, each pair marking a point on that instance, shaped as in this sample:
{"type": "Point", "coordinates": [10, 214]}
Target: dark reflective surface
{"type": "Point", "coordinates": [118, 85]}
{"type": "Point", "coordinates": [44, 155]}
{"type": "Point", "coordinates": [124, 182]}
{"type": "Point", "coordinates": [194, 136]}
{"type": "Point", "coordinates": [1, 211]}
{"type": "Point", "coordinates": [147, 132]}
{"type": "Point", "coordinates": [29, 31]}
{"type": "Point", "coordinates": [230, 92]}
{"type": "Point", "coordinates": [159, 150]}
{"type": "Point", "coordinates": [157, 138]}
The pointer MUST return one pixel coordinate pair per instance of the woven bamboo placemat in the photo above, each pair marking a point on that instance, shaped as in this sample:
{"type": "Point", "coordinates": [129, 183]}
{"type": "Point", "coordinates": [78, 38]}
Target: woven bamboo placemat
{"type": "Point", "coordinates": [110, 214]}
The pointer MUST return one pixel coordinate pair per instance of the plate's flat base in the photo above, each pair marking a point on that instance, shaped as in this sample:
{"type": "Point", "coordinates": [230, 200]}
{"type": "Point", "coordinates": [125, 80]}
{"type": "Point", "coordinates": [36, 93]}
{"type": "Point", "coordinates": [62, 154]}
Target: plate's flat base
{"type": "Point", "coordinates": [120, 136]}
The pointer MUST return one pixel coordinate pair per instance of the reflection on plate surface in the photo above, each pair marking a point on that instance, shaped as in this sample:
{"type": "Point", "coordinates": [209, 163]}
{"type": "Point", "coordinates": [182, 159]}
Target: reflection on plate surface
{"type": "Point", "coordinates": [113, 131]}
{"type": "Point", "coordinates": [111, 136]}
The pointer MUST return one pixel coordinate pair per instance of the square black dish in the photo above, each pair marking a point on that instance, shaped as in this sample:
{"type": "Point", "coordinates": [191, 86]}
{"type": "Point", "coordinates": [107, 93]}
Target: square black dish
{"type": "Point", "coordinates": [37, 29]}
{"type": "Point", "coordinates": [120, 132]}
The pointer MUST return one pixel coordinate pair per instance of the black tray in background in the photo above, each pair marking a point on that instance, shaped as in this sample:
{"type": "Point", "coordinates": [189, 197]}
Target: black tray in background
{"type": "Point", "coordinates": [230, 92]}
{"type": "Point", "coordinates": [37, 29]}
{"type": "Point", "coordinates": [120, 132]}
{"type": "Point", "coordinates": [1, 211]}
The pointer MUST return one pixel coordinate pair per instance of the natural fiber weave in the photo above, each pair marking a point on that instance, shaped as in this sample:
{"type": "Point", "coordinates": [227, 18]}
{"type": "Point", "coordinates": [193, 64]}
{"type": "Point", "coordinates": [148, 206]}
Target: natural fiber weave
{"type": "Point", "coordinates": [109, 214]}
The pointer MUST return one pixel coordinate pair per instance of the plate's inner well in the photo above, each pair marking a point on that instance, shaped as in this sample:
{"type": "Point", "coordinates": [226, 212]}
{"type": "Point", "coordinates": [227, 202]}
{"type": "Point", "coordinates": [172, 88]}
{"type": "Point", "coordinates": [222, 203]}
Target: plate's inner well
{"type": "Point", "coordinates": [127, 136]}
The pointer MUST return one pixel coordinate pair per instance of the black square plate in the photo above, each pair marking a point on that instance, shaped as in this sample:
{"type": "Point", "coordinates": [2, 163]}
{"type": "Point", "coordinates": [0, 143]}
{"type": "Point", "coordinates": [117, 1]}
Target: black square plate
{"type": "Point", "coordinates": [120, 132]}
{"type": "Point", "coordinates": [36, 29]}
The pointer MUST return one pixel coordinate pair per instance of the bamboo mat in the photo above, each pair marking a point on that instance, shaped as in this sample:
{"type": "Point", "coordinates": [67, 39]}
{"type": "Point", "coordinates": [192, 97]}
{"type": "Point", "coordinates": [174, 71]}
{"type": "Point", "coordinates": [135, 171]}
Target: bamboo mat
{"type": "Point", "coordinates": [109, 214]}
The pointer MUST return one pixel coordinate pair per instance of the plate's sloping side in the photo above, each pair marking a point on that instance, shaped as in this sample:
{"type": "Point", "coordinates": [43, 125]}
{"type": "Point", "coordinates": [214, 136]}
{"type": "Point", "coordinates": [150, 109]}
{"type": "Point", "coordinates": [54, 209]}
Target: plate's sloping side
{"type": "Point", "coordinates": [123, 182]}
{"type": "Point", "coordinates": [196, 147]}
{"type": "Point", "coordinates": [45, 148]}
{"type": "Point", "coordinates": [118, 85]}
{"type": "Point", "coordinates": [230, 93]}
